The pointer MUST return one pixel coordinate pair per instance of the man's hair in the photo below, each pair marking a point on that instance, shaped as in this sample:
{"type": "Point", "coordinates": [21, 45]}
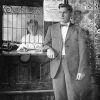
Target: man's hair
{"type": "Point", "coordinates": [67, 6]}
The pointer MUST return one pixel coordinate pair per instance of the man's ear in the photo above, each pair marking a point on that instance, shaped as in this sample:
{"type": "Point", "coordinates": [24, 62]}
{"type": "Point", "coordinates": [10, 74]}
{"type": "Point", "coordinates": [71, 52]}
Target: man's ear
{"type": "Point", "coordinates": [71, 14]}
{"type": "Point", "coordinates": [71, 17]}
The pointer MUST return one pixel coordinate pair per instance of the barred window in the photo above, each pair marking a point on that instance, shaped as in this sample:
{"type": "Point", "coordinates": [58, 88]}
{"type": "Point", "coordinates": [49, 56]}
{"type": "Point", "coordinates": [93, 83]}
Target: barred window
{"type": "Point", "coordinates": [16, 22]}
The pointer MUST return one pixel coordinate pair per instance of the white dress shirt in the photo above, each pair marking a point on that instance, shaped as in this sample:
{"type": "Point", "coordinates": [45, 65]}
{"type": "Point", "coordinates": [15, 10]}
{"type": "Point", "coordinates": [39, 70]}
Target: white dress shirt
{"type": "Point", "coordinates": [64, 30]}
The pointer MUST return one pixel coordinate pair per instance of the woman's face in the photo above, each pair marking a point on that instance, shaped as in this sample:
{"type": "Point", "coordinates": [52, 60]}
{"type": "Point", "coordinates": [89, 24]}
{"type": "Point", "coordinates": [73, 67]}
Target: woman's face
{"type": "Point", "coordinates": [32, 28]}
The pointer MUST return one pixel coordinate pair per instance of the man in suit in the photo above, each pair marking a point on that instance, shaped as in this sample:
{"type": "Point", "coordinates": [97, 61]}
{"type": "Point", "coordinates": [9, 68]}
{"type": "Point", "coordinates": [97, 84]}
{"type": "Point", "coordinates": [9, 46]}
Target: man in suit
{"type": "Point", "coordinates": [66, 47]}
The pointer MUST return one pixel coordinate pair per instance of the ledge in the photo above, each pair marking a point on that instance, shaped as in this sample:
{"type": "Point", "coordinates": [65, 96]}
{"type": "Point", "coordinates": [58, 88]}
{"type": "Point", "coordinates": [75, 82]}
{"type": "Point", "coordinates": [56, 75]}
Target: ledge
{"type": "Point", "coordinates": [26, 92]}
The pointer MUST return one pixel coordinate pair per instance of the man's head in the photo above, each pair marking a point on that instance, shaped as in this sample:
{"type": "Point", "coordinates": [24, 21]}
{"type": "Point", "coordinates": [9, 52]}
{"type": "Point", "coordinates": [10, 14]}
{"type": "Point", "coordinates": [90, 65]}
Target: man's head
{"type": "Point", "coordinates": [32, 26]}
{"type": "Point", "coordinates": [65, 11]}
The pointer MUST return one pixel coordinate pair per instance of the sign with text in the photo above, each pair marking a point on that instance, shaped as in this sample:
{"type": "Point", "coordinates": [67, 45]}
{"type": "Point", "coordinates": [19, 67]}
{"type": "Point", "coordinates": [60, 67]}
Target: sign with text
{"type": "Point", "coordinates": [51, 10]}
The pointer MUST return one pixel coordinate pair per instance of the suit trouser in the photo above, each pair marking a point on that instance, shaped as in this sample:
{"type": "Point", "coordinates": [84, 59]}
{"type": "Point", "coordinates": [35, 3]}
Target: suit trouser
{"type": "Point", "coordinates": [63, 86]}
{"type": "Point", "coordinates": [63, 89]}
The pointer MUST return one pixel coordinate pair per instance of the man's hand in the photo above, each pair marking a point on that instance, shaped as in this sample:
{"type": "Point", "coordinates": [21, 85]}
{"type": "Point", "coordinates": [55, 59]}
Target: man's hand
{"type": "Point", "coordinates": [50, 53]}
{"type": "Point", "coordinates": [80, 76]}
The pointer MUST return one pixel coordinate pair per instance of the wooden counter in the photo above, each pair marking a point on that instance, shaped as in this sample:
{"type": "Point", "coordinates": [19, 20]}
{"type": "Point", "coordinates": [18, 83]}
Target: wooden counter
{"type": "Point", "coordinates": [24, 71]}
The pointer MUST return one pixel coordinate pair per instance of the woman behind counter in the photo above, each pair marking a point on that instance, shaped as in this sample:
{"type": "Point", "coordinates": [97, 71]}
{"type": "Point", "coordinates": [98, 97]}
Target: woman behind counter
{"type": "Point", "coordinates": [32, 40]}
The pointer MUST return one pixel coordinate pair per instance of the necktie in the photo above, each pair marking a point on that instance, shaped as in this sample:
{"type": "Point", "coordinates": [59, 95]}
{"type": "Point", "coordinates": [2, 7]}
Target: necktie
{"type": "Point", "coordinates": [64, 25]}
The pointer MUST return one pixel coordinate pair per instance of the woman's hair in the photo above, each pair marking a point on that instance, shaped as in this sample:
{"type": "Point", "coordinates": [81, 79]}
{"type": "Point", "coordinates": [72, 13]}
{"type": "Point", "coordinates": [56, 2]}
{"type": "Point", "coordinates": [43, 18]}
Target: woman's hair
{"type": "Point", "coordinates": [30, 22]}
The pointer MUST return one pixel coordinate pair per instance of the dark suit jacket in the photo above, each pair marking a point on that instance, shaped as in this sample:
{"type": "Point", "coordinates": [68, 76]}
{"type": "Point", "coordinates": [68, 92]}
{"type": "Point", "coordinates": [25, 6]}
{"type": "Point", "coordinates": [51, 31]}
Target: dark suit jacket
{"type": "Point", "coordinates": [75, 47]}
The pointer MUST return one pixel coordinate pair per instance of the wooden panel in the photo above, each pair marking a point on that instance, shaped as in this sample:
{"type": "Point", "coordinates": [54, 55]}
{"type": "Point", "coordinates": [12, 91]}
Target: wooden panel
{"type": "Point", "coordinates": [17, 75]}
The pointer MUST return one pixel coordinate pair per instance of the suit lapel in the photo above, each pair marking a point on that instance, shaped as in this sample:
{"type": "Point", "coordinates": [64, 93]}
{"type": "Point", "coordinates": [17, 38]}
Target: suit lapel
{"type": "Point", "coordinates": [69, 32]}
{"type": "Point", "coordinates": [58, 30]}
{"type": "Point", "coordinates": [59, 34]}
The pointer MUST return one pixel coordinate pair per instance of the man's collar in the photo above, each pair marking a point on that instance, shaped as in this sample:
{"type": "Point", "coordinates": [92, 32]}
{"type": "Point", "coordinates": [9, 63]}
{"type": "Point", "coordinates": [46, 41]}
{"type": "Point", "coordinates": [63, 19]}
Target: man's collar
{"type": "Point", "coordinates": [65, 24]}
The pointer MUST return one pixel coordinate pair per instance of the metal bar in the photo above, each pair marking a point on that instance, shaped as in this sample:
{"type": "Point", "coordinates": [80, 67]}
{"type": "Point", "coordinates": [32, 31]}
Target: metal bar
{"type": "Point", "coordinates": [12, 27]}
{"type": "Point", "coordinates": [16, 25]}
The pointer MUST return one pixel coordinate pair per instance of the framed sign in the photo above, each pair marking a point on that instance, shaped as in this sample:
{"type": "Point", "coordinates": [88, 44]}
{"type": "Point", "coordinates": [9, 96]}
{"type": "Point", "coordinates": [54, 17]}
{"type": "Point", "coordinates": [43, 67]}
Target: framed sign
{"type": "Point", "coordinates": [51, 10]}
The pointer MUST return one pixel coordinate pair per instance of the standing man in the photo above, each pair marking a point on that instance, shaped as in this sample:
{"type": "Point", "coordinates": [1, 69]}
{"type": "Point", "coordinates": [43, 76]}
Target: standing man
{"type": "Point", "coordinates": [66, 47]}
